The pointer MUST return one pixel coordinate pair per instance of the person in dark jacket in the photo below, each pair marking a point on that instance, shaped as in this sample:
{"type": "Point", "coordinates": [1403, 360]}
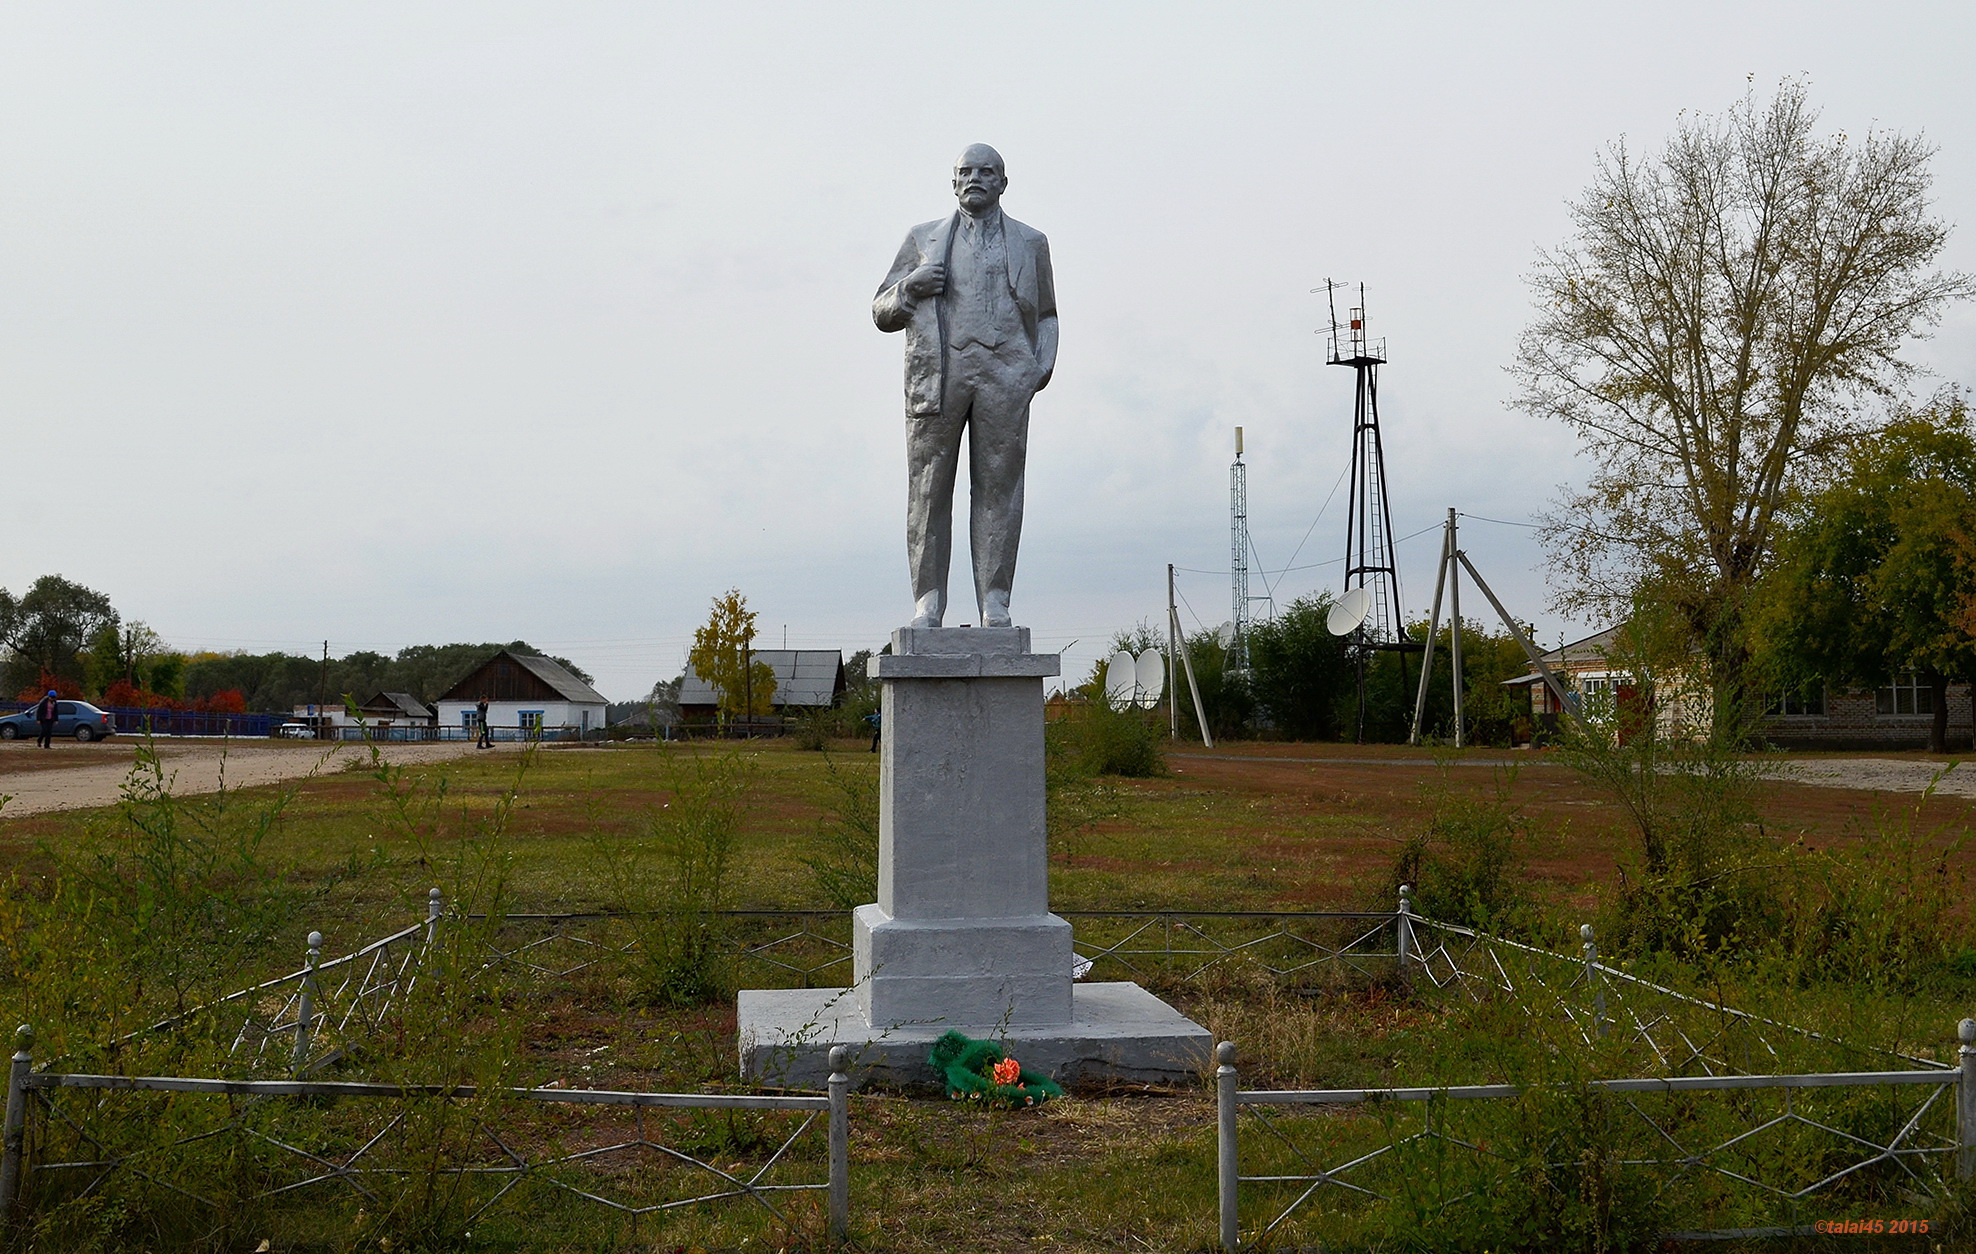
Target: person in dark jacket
{"type": "Point", "coordinates": [486, 740]}
{"type": "Point", "coordinates": [45, 713]}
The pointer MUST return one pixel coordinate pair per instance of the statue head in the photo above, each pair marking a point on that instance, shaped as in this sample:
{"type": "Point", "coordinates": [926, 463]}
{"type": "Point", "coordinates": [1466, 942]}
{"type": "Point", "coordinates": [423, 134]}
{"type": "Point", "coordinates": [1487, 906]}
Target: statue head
{"type": "Point", "coordinates": [980, 178]}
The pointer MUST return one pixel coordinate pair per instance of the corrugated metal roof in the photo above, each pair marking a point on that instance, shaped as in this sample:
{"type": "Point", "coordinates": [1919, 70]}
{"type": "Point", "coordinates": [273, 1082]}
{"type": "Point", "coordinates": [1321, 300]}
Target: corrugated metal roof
{"type": "Point", "coordinates": [803, 678]}
{"type": "Point", "coordinates": [401, 702]}
{"type": "Point", "coordinates": [567, 686]}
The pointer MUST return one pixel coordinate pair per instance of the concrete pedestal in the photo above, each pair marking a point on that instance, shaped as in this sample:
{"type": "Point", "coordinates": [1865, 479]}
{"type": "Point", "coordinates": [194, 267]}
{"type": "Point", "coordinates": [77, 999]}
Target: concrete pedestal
{"type": "Point", "coordinates": [961, 935]}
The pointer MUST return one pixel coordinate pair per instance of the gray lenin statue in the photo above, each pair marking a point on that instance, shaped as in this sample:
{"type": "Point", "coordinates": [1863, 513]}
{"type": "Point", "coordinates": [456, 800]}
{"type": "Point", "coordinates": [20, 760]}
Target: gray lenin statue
{"type": "Point", "coordinates": [974, 294]}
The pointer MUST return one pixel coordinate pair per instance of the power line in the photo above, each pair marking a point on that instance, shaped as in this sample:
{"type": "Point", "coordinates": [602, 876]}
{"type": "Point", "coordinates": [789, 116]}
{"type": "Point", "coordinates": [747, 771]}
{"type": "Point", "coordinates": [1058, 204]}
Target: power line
{"type": "Point", "coordinates": [1308, 531]}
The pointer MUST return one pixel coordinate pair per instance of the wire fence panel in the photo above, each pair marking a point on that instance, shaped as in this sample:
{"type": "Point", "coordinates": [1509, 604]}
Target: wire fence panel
{"type": "Point", "coordinates": [1657, 1029]}
{"type": "Point", "coordinates": [207, 1151]}
{"type": "Point", "coordinates": [1648, 1106]}
{"type": "Point", "coordinates": [812, 948]}
{"type": "Point", "coordinates": [1740, 1155]}
{"type": "Point", "coordinates": [310, 1017]}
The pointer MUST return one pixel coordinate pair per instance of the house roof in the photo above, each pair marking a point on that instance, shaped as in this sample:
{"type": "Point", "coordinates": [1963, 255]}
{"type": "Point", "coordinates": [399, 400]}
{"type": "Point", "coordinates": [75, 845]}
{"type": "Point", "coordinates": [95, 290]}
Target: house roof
{"type": "Point", "coordinates": [803, 678]}
{"type": "Point", "coordinates": [1592, 650]}
{"type": "Point", "coordinates": [511, 676]}
{"type": "Point", "coordinates": [396, 704]}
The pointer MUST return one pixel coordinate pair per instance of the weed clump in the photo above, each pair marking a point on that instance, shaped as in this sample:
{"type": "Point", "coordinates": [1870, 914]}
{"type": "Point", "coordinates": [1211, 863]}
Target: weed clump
{"type": "Point", "coordinates": [1468, 865]}
{"type": "Point", "coordinates": [676, 879]}
{"type": "Point", "coordinates": [845, 864]}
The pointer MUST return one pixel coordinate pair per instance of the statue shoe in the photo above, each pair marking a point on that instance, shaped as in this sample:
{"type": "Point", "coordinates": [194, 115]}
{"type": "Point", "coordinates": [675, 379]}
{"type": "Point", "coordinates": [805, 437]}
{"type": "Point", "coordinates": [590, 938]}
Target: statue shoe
{"type": "Point", "coordinates": [929, 611]}
{"type": "Point", "coordinates": [995, 610]}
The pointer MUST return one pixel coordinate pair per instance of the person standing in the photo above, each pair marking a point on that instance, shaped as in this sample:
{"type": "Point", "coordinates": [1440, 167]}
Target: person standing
{"type": "Point", "coordinates": [486, 741]}
{"type": "Point", "coordinates": [46, 713]}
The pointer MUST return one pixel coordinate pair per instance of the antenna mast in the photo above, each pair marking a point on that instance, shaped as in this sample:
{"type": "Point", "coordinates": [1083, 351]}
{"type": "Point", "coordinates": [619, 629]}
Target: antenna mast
{"type": "Point", "coordinates": [1369, 515]}
{"type": "Point", "coordinates": [1238, 564]}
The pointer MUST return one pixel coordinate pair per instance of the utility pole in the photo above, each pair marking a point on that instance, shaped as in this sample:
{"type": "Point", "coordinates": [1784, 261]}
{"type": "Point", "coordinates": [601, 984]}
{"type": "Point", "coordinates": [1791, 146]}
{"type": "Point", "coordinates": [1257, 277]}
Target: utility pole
{"type": "Point", "coordinates": [1453, 562]}
{"type": "Point", "coordinates": [748, 681]}
{"type": "Point", "coordinates": [1177, 639]}
{"type": "Point", "coordinates": [1172, 660]}
{"type": "Point", "coordinates": [1454, 624]}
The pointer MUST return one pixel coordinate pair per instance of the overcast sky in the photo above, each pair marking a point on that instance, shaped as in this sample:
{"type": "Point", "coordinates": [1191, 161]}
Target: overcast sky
{"type": "Point", "coordinates": [403, 323]}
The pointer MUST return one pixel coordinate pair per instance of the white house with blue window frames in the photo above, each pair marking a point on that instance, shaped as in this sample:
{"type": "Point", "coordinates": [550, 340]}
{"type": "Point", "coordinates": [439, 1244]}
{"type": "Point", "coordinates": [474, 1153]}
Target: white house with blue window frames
{"type": "Point", "coordinates": [527, 697]}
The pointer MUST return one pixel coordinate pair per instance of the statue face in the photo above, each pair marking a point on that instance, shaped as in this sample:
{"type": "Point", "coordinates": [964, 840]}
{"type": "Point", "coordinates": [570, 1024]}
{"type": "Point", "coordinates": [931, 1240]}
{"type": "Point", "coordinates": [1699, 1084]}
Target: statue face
{"type": "Point", "coordinates": [979, 179]}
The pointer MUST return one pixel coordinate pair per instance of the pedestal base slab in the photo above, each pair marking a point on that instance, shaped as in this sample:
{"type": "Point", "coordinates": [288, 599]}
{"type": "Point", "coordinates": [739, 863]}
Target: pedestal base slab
{"type": "Point", "coordinates": [1117, 1031]}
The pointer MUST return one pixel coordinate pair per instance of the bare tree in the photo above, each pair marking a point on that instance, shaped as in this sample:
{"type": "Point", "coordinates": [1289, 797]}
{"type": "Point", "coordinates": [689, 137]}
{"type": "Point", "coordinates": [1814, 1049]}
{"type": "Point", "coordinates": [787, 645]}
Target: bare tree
{"type": "Point", "coordinates": [1725, 314]}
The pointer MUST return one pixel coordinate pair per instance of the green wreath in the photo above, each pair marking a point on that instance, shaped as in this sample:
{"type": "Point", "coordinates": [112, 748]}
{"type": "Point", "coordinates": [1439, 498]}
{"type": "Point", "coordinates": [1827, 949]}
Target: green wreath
{"type": "Point", "coordinates": [968, 1068]}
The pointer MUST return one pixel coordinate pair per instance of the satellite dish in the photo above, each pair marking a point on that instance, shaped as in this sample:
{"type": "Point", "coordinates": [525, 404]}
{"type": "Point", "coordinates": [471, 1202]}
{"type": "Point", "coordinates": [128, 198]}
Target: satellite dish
{"type": "Point", "coordinates": [1226, 634]}
{"type": "Point", "coordinates": [1350, 611]}
{"type": "Point", "coordinates": [1151, 673]}
{"type": "Point", "coordinates": [1121, 674]}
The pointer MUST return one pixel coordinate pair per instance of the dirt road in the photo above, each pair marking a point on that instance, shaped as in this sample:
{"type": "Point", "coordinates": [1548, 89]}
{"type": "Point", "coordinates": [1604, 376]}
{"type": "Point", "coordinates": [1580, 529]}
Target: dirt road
{"type": "Point", "coordinates": [74, 776]}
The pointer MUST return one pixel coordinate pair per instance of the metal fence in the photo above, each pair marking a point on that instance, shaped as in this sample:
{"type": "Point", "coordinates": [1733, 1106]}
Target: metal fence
{"type": "Point", "coordinates": [812, 948]}
{"type": "Point", "coordinates": [1751, 1148]}
{"type": "Point", "coordinates": [158, 721]}
{"type": "Point", "coordinates": [312, 1016]}
{"type": "Point", "coordinates": [86, 1142]}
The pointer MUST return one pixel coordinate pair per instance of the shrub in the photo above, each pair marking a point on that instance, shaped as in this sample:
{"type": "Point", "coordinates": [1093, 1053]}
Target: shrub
{"type": "Point", "coordinates": [1107, 741]}
{"type": "Point", "coordinates": [677, 876]}
{"type": "Point", "coordinates": [1467, 866]}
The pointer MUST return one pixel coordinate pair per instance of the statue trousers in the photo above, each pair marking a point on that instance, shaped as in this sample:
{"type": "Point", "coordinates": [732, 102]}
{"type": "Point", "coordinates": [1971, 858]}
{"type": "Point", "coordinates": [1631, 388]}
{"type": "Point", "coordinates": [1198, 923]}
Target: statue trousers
{"type": "Point", "coordinates": [987, 395]}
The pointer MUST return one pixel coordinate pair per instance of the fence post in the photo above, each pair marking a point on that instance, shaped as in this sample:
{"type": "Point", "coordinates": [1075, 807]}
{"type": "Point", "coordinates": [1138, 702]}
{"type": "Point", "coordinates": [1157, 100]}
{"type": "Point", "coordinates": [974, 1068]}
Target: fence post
{"type": "Point", "coordinates": [305, 1004]}
{"type": "Point", "coordinates": [1230, 1164]}
{"type": "Point", "coordinates": [16, 1133]}
{"type": "Point", "coordinates": [1592, 979]}
{"type": "Point", "coordinates": [1403, 929]}
{"type": "Point", "coordinates": [1965, 1103]}
{"type": "Point", "coordinates": [840, 1144]}
{"type": "Point", "coordinates": [435, 903]}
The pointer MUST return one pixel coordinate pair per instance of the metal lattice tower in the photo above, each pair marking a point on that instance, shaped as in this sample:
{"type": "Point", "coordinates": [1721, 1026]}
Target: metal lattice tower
{"type": "Point", "coordinates": [1238, 557]}
{"type": "Point", "coordinates": [1369, 516]}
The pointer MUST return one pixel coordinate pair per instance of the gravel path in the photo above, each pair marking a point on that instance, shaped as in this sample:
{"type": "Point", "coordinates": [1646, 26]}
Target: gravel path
{"type": "Point", "coordinates": [1867, 774]}
{"type": "Point", "coordinates": [73, 777]}
{"type": "Point", "coordinates": [1878, 774]}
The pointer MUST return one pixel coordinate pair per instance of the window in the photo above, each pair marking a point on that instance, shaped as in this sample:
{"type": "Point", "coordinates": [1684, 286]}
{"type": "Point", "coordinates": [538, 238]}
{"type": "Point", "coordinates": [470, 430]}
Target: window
{"type": "Point", "coordinates": [1908, 694]}
{"type": "Point", "coordinates": [469, 719]}
{"type": "Point", "coordinates": [529, 720]}
{"type": "Point", "coordinates": [1798, 702]}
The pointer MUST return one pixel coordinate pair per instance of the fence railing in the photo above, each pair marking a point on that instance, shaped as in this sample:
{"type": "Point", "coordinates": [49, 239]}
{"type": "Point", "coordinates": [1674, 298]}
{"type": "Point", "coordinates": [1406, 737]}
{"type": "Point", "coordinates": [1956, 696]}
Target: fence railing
{"type": "Point", "coordinates": [38, 1124]}
{"type": "Point", "coordinates": [159, 721]}
{"type": "Point", "coordinates": [1705, 1108]}
{"type": "Point", "coordinates": [1931, 1140]}
{"type": "Point", "coordinates": [812, 948]}
{"type": "Point", "coordinates": [310, 1017]}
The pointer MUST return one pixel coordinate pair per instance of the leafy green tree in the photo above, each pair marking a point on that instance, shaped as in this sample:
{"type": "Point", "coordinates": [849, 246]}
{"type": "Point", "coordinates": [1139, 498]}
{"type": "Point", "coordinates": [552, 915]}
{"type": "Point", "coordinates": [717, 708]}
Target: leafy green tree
{"type": "Point", "coordinates": [121, 651]}
{"type": "Point", "coordinates": [723, 655]}
{"type": "Point", "coordinates": [1871, 578]}
{"type": "Point", "coordinates": [1709, 332]}
{"type": "Point", "coordinates": [281, 681]}
{"type": "Point", "coordinates": [1299, 671]}
{"type": "Point", "coordinates": [48, 629]}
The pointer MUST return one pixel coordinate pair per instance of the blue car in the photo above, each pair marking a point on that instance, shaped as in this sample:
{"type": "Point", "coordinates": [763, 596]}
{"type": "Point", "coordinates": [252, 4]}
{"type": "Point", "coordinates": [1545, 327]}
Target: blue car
{"type": "Point", "coordinates": [72, 718]}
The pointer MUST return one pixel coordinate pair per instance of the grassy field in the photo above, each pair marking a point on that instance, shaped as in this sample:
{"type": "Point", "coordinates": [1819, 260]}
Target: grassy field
{"type": "Point", "coordinates": [1271, 827]}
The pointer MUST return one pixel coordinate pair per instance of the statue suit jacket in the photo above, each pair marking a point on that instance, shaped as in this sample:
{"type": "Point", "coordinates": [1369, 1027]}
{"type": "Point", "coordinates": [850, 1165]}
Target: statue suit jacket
{"type": "Point", "coordinates": [1030, 282]}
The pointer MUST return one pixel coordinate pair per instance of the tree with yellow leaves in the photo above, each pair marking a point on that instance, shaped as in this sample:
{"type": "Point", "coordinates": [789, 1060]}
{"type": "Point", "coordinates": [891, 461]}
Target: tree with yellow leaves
{"type": "Point", "coordinates": [723, 655]}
